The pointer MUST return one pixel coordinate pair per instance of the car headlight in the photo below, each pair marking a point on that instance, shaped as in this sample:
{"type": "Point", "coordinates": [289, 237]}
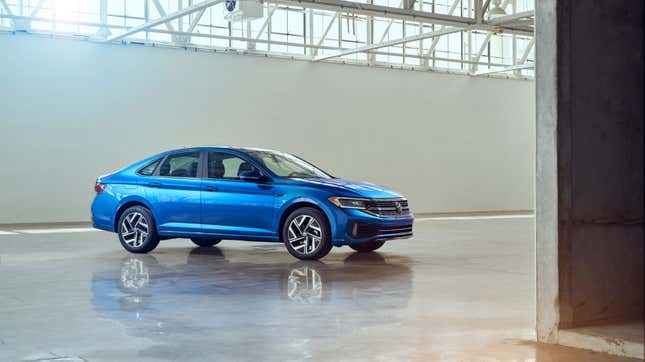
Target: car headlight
{"type": "Point", "coordinates": [349, 202]}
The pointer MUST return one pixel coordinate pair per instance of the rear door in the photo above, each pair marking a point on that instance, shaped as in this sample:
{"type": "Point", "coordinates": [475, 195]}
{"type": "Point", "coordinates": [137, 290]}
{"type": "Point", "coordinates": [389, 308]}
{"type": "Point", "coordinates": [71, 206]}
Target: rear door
{"type": "Point", "coordinates": [174, 193]}
{"type": "Point", "coordinates": [235, 207]}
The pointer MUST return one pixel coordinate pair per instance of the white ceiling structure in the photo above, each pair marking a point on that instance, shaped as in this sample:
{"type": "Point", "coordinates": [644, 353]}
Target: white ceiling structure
{"type": "Point", "coordinates": [476, 37]}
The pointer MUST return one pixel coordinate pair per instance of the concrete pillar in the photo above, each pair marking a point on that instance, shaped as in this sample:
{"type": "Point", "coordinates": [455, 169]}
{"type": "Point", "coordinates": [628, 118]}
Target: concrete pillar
{"type": "Point", "coordinates": [546, 183]}
{"type": "Point", "coordinates": [589, 190]}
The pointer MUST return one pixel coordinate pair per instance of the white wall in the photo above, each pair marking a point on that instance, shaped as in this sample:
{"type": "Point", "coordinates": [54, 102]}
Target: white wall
{"type": "Point", "coordinates": [72, 110]}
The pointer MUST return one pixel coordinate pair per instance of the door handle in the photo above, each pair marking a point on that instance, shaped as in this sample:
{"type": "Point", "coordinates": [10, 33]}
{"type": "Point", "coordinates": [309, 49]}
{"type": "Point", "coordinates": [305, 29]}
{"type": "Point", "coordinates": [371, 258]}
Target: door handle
{"type": "Point", "coordinates": [210, 188]}
{"type": "Point", "coordinates": [155, 184]}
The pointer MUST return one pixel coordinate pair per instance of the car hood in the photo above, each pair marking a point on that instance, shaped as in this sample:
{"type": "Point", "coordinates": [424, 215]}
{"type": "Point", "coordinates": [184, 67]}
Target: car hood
{"type": "Point", "coordinates": [353, 188]}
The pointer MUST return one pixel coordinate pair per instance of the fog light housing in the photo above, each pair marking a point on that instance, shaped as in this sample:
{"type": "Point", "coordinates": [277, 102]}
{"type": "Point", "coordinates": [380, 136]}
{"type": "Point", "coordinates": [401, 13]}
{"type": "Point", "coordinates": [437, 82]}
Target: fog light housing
{"type": "Point", "coordinates": [360, 230]}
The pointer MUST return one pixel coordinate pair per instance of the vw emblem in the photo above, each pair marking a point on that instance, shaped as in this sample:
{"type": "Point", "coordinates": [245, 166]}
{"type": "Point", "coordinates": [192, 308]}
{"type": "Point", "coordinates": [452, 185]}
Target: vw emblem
{"type": "Point", "coordinates": [399, 209]}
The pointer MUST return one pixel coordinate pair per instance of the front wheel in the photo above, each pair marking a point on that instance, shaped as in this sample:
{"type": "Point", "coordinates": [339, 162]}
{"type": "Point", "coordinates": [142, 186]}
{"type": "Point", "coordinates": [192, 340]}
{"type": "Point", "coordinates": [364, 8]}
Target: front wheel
{"type": "Point", "coordinates": [306, 234]}
{"type": "Point", "coordinates": [368, 246]}
{"type": "Point", "coordinates": [205, 241]}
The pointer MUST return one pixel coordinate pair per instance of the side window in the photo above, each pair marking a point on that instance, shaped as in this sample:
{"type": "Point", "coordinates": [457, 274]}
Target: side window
{"type": "Point", "coordinates": [149, 169]}
{"type": "Point", "coordinates": [180, 165]}
{"type": "Point", "coordinates": [223, 165]}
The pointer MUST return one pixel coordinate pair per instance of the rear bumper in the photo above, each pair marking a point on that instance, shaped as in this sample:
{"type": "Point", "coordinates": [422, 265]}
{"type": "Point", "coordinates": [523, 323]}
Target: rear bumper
{"type": "Point", "coordinates": [102, 226]}
{"type": "Point", "coordinates": [101, 212]}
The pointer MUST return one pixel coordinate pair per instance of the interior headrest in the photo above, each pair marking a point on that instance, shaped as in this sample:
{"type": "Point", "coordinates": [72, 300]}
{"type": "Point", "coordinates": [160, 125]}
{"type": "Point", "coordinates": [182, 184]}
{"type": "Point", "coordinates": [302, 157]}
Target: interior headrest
{"type": "Point", "coordinates": [216, 169]}
{"type": "Point", "coordinates": [165, 168]}
{"type": "Point", "coordinates": [245, 167]}
{"type": "Point", "coordinates": [180, 172]}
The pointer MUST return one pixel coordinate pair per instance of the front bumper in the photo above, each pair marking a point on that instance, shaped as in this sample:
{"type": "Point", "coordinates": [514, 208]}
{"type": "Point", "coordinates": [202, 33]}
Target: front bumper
{"type": "Point", "coordinates": [355, 226]}
{"type": "Point", "coordinates": [362, 230]}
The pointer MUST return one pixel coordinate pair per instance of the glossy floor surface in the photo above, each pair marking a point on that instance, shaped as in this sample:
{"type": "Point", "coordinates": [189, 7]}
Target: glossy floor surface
{"type": "Point", "coordinates": [460, 290]}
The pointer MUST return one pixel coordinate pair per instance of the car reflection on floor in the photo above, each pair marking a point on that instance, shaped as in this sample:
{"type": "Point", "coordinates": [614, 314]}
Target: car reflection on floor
{"type": "Point", "coordinates": [243, 294]}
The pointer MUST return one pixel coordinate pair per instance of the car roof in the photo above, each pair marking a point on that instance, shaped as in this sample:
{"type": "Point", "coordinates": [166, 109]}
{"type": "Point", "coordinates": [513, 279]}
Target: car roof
{"type": "Point", "coordinates": [234, 148]}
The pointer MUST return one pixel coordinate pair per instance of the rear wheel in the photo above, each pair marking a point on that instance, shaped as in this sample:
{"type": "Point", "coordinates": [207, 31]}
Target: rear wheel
{"type": "Point", "coordinates": [368, 246]}
{"type": "Point", "coordinates": [137, 230]}
{"type": "Point", "coordinates": [306, 234]}
{"type": "Point", "coordinates": [205, 241]}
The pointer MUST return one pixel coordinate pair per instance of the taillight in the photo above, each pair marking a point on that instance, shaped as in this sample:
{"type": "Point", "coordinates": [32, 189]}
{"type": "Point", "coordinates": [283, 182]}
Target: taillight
{"type": "Point", "coordinates": [99, 187]}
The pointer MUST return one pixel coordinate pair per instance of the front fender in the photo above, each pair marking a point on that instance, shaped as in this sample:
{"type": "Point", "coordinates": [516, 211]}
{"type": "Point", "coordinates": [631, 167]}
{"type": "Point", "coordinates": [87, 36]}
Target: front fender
{"type": "Point", "coordinates": [286, 205]}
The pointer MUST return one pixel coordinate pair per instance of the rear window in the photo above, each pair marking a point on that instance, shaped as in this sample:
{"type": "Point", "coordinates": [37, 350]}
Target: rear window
{"type": "Point", "coordinates": [150, 168]}
{"type": "Point", "coordinates": [180, 165]}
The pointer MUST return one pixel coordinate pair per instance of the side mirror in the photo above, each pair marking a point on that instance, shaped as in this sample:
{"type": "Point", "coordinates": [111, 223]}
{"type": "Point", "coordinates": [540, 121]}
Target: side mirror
{"type": "Point", "coordinates": [253, 176]}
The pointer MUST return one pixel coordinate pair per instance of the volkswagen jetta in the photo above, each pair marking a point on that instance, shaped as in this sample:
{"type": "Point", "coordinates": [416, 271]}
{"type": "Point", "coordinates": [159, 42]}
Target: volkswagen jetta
{"type": "Point", "coordinates": [212, 193]}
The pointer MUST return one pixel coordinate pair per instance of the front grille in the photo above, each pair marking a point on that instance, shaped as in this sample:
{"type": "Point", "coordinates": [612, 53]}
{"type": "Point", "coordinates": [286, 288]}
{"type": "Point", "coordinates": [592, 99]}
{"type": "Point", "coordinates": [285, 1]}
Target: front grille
{"type": "Point", "coordinates": [388, 208]}
{"type": "Point", "coordinates": [361, 230]}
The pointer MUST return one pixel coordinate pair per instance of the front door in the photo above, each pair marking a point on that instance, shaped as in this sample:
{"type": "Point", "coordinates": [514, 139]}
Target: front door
{"type": "Point", "coordinates": [235, 207]}
{"type": "Point", "coordinates": [174, 193]}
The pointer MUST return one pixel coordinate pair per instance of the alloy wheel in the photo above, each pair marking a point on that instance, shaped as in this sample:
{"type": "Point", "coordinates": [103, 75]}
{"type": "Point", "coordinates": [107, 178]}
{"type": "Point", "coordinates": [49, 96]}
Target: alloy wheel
{"type": "Point", "coordinates": [134, 229]}
{"type": "Point", "coordinates": [304, 234]}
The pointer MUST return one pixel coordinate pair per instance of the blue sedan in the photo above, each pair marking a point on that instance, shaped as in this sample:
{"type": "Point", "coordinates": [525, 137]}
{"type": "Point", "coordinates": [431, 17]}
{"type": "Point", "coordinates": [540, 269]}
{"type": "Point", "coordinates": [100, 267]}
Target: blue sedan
{"type": "Point", "coordinates": [212, 193]}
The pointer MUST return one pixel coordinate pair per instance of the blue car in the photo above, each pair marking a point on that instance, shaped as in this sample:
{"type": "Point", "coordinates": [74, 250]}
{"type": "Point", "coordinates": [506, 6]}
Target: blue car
{"type": "Point", "coordinates": [212, 193]}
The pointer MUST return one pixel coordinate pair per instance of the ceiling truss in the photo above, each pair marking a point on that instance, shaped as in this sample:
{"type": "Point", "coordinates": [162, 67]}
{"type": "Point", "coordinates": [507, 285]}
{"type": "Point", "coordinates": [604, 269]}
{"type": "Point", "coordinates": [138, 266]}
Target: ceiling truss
{"type": "Point", "coordinates": [517, 24]}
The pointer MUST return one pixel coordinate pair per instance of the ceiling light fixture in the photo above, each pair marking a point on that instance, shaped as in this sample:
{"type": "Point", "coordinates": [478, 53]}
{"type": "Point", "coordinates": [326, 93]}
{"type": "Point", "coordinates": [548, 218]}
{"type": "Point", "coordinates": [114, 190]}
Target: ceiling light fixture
{"type": "Point", "coordinates": [496, 11]}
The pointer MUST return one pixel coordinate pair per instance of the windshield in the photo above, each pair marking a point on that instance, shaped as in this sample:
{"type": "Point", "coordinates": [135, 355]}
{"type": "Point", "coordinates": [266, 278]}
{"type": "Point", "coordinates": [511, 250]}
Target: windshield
{"type": "Point", "coordinates": [286, 165]}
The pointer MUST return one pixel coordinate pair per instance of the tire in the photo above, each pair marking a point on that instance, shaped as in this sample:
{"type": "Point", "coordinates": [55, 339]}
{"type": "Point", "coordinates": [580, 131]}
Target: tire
{"type": "Point", "coordinates": [368, 246]}
{"type": "Point", "coordinates": [137, 230]}
{"type": "Point", "coordinates": [312, 243]}
{"type": "Point", "coordinates": [205, 241]}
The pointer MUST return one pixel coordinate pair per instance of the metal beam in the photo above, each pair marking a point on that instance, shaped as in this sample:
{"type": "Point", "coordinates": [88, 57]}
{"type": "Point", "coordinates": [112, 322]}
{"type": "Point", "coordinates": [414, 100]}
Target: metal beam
{"type": "Point", "coordinates": [380, 11]}
{"type": "Point", "coordinates": [240, 39]}
{"type": "Point", "coordinates": [392, 43]}
{"type": "Point", "coordinates": [162, 13]}
{"type": "Point", "coordinates": [527, 51]}
{"type": "Point", "coordinates": [511, 18]}
{"type": "Point", "coordinates": [485, 7]}
{"type": "Point", "coordinates": [6, 7]}
{"type": "Point", "coordinates": [408, 4]}
{"type": "Point", "coordinates": [164, 19]}
{"type": "Point", "coordinates": [103, 32]}
{"type": "Point", "coordinates": [195, 21]}
{"type": "Point", "coordinates": [37, 8]}
{"type": "Point", "coordinates": [266, 22]}
{"type": "Point", "coordinates": [435, 41]}
{"type": "Point", "coordinates": [244, 39]}
{"type": "Point", "coordinates": [479, 15]}
{"type": "Point", "coordinates": [473, 66]}
{"type": "Point", "coordinates": [324, 34]}
{"type": "Point", "coordinates": [507, 69]}
{"type": "Point", "coordinates": [401, 14]}
{"type": "Point", "coordinates": [387, 28]}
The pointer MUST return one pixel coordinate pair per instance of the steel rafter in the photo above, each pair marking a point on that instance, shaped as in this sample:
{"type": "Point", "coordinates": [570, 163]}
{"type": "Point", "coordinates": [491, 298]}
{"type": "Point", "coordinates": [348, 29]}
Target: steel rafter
{"type": "Point", "coordinates": [404, 14]}
{"type": "Point", "coordinates": [507, 69]}
{"type": "Point", "coordinates": [394, 42]}
{"type": "Point", "coordinates": [182, 26]}
{"type": "Point", "coordinates": [165, 19]}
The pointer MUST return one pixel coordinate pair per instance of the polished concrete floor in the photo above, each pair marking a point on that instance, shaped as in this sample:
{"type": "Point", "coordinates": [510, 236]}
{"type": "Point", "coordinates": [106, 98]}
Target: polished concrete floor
{"type": "Point", "coordinates": [460, 290]}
